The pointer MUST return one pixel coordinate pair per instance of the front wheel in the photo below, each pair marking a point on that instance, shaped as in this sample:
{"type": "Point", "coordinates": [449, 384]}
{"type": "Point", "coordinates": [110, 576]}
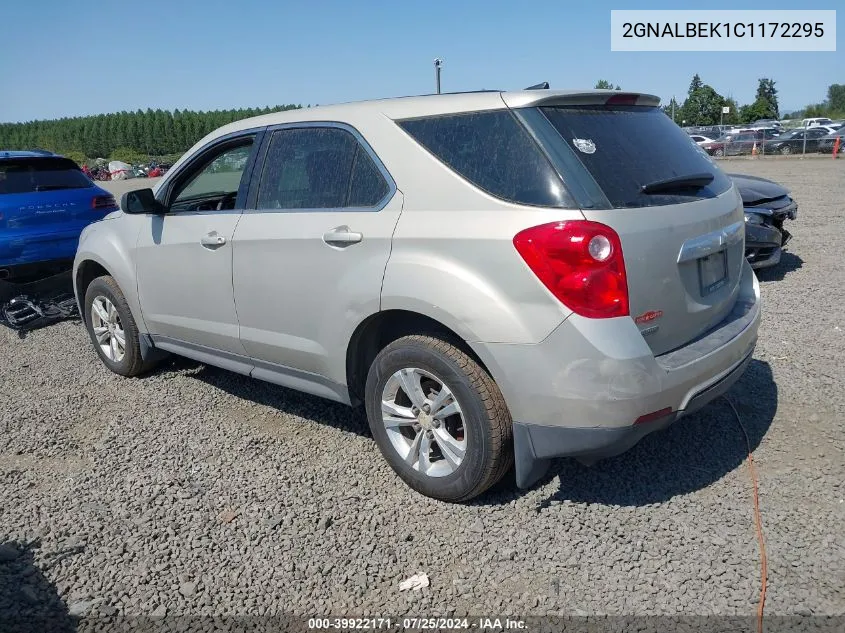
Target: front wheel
{"type": "Point", "coordinates": [112, 328]}
{"type": "Point", "coordinates": [786, 150]}
{"type": "Point", "coordinates": [438, 418]}
{"type": "Point", "coordinates": [719, 153]}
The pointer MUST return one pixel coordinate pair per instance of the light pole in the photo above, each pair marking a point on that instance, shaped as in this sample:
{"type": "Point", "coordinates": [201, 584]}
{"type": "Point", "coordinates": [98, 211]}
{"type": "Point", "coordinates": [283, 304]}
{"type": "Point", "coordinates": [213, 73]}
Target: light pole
{"type": "Point", "coordinates": [438, 64]}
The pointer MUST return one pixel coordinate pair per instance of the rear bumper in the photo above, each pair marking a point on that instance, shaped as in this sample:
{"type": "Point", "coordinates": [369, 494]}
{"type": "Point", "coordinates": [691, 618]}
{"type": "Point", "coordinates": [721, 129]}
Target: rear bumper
{"type": "Point", "coordinates": [25, 273]}
{"type": "Point", "coordinates": [580, 391]}
{"type": "Point", "coordinates": [536, 445]}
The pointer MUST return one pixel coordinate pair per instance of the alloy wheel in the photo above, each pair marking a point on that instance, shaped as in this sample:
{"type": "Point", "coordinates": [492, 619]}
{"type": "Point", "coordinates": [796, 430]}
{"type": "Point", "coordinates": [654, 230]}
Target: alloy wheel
{"type": "Point", "coordinates": [424, 422]}
{"type": "Point", "coordinates": [108, 329]}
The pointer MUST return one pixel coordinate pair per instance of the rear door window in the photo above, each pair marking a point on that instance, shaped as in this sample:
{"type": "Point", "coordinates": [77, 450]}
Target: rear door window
{"type": "Point", "coordinates": [625, 148]}
{"type": "Point", "coordinates": [27, 175]}
{"type": "Point", "coordinates": [494, 152]}
{"type": "Point", "coordinates": [319, 168]}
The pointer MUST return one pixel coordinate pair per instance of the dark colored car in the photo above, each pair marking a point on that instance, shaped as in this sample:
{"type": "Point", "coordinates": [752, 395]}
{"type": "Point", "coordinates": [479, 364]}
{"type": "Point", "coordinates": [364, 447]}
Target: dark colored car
{"type": "Point", "coordinates": [826, 143]}
{"type": "Point", "coordinates": [767, 206]}
{"type": "Point", "coordinates": [45, 202]}
{"type": "Point", "coordinates": [792, 142]}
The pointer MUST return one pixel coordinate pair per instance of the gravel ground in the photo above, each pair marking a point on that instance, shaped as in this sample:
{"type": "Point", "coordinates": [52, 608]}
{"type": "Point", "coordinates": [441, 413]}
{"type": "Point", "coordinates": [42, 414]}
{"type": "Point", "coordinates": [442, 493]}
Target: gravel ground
{"type": "Point", "coordinates": [197, 491]}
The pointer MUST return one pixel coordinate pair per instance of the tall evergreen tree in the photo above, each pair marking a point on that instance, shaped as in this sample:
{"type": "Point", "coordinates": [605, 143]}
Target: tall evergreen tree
{"type": "Point", "coordinates": [768, 94]}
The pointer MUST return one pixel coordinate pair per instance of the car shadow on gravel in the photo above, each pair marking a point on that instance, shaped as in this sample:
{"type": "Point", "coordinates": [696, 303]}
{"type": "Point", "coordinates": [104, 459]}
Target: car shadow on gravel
{"type": "Point", "coordinates": [690, 455]}
{"type": "Point", "coordinates": [29, 602]}
{"type": "Point", "coordinates": [788, 263]}
{"type": "Point", "coordinates": [285, 400]}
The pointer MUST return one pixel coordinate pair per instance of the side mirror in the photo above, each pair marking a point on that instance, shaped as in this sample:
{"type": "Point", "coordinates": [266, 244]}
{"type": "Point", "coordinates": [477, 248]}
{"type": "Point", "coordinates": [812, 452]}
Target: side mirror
{"type": "Point", "coordinates": [141, 201]}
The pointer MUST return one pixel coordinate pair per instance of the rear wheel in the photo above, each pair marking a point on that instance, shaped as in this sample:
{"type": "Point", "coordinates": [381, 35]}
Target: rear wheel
{"type": "Point", "coordinates": [112, 328]}
{"type": "Point", "coordinates": [785, 150]}
{"type": "Point", "coordinates": [719, 153]}
{"type": "Point", "coordinates": [438, 418]}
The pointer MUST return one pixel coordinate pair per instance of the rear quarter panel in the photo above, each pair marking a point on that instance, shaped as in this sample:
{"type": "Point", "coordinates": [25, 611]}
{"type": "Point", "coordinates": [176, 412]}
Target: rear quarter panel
{"type": "Point", "coordinates": [453, 257]}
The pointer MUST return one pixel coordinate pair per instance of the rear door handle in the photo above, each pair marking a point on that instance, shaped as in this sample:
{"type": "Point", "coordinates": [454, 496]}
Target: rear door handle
{"type": "Point", "coordinates": [342, 236]}
{"type": "Point", "coordinates": [212, 240]}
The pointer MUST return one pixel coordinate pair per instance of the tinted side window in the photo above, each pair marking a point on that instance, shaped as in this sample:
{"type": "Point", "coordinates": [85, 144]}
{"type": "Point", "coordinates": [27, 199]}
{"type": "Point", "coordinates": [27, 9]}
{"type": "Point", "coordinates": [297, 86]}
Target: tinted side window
{"type": "Point", "coordinates": [492, 151]}
{"type": "Point", "coordinates": [318, 168]}
{"type": "Point", "coordinates": [368, 186]}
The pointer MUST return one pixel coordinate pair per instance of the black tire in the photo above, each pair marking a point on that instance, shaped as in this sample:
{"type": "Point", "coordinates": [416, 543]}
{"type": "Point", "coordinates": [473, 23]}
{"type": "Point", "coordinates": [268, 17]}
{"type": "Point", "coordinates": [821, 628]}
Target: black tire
{"type": "Point", "coordinates": [131, 364]}
{"type": "Point", "coordinates": [785, 150]}
{"type": "Point", "coordinates": [487, 421]}
{"type": "Point", "coordinates": [719, 153]}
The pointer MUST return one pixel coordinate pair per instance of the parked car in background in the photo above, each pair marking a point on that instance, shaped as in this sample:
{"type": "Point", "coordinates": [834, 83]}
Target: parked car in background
{"type": "Point", "coordinates": [816, 121]}
{"type": "Point", "coordinates": [45, 202]}
{"type": "Point", "coordinates": [826, 143]}
{"type": "Point", "coordinates": [739, 143]}
{"type": "Point", "coordinates": [717, 147]}
{"type": "Point", "coordinates": [698, 138]}
{"type": "Point", "coordinates": [426, 257]}
{"type": "Point", "coordinates": [793, 142]}
{"type": "Point", "coordinates": [766, 123]}
{"type": "Point", "coordinates": [830, 129]}
{"type": "Point", "coordinates": [767, 206]}
{"type": "Point", "coordinates": [710, 131]}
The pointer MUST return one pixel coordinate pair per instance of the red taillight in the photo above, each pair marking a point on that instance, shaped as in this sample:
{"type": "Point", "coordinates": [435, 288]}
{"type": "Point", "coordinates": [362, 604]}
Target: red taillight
{"type": "Point", "coordinates": [103, 202]}
{"type": "Point", "coordinates": [581, 263]}
{"type": "Point", "coordinates": [623, 99]}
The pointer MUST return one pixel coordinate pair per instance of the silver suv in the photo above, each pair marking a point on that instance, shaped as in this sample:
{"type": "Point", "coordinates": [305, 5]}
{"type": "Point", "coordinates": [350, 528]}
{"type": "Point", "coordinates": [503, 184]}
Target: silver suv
{"type": "Point", "coordinates": [495, 276]}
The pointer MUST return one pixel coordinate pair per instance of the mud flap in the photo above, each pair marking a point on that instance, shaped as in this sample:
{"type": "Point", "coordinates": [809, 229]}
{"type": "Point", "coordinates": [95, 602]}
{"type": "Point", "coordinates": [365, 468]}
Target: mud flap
{"type": "Point", "coordinates": [529, 468]}
{"type": "Point", "coordinates": [36, 304]}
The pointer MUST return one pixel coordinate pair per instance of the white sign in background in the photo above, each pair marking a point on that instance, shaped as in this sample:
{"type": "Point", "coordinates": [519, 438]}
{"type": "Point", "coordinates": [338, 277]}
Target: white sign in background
{"type": "Point", "coordinates": [728, 30]}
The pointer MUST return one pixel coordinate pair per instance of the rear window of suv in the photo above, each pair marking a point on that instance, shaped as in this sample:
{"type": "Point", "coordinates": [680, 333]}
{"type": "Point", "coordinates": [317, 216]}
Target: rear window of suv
{"type": "Point", "coordinates": [627, 147]}
{"type": "Point", "coordinates": [27, 175]}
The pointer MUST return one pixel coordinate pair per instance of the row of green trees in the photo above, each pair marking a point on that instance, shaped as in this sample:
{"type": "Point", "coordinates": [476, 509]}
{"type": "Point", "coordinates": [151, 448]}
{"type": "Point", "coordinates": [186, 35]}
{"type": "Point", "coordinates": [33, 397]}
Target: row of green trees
{"type": "Point", "coordinates": [128, 136]}
{"type": "Point", "coordinates": [703, 105]}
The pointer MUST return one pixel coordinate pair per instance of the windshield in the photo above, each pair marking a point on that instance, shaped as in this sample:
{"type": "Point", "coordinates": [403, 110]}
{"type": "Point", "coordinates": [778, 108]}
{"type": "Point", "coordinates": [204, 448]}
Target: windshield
{"type": "Point", "coordinates": [629, 150]}
{"type": "Point", "coordinates": [26, 175]}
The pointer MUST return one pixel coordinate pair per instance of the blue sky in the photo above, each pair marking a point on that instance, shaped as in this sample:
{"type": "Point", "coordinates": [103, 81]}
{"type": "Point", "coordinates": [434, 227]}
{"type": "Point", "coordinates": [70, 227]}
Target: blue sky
{"type": "Point", "coordinates": [63, 58]}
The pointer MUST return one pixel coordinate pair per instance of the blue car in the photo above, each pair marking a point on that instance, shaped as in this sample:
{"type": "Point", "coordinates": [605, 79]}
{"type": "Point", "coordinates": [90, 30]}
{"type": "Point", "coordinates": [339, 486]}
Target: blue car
{"type": "Point", "coordinates": [45, 202]}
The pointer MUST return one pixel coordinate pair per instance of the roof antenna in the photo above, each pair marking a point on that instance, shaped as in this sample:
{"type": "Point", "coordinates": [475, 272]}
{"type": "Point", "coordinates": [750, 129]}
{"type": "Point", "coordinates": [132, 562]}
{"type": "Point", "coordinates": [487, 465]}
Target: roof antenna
{"type": "Point", "coordinates": [541, 86]}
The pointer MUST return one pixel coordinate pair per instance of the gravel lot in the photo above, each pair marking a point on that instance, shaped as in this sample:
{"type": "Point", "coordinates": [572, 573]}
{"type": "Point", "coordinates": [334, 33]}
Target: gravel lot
{"type": "Point", "coordinates": [197, 491]}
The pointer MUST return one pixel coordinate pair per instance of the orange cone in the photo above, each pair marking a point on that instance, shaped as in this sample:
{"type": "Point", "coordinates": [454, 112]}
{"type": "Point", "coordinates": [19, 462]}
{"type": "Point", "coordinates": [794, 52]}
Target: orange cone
{"type": "Point", "coordinates": [836, 146]}
{"type": "Point", "coordinates": [754, 149]}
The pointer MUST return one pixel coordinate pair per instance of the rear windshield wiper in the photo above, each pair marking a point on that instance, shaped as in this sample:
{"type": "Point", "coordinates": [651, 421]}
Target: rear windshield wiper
{"type": "Point", "coordinates": [692, 181]}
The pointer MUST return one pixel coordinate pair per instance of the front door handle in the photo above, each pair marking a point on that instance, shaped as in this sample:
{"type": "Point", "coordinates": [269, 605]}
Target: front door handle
{"type": "Point", "coordinates": [212, 240]}
{"type": "Point", "coordinates": [342, 236]}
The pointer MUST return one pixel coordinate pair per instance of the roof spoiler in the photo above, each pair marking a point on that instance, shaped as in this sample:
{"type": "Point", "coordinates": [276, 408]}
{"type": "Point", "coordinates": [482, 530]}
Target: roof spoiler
{"type": "Point", "coordinates": [575, 98]}
{"type": "Point", "coordinates": [541, 86]}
